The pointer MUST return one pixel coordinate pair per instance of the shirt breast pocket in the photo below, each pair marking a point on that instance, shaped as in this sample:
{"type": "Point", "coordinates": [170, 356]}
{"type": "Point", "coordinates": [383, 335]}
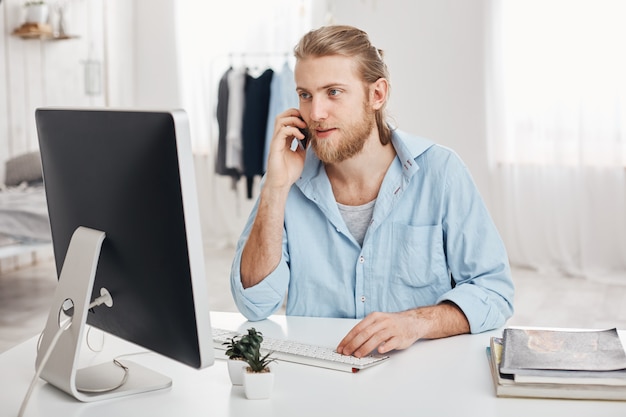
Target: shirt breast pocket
{"type": "Point", "coordinates": [419, 257]}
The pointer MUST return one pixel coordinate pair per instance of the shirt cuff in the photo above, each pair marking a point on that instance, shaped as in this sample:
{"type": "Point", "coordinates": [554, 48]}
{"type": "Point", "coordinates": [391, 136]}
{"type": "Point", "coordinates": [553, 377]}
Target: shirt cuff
{"type": "Point", "coordinates": [484, 311]}
{"type": "Point", "coordinates": [265, 298]}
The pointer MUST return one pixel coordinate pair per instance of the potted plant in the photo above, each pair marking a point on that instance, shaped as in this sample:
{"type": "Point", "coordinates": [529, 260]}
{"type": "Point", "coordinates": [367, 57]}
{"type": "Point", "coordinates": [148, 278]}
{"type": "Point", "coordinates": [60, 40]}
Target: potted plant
{"type": "Point", "coordinates": [258, 378]}
{"type": "Point", "coordinates": [36, 11]}
{"type": "Point", "coordinates": [236, 362]}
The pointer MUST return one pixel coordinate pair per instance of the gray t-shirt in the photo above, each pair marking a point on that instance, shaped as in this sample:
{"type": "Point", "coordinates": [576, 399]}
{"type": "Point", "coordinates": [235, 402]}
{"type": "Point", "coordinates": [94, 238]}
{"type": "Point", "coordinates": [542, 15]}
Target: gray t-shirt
{"type": "Point", "coordinates": [357, 218]}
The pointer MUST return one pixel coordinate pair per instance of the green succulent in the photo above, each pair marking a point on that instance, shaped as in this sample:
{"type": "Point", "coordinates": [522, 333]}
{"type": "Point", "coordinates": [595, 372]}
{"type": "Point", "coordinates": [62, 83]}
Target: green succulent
{"type": "Point", "coordinates": [248, 347]}
{"type": "Point", "coordinates": [233, 350]}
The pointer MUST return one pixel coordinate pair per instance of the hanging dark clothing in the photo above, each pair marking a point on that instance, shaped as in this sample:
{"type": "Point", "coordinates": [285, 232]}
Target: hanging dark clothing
{"type": "Point", "coordinates": [222, 122]}
{"type": "Point", "coordinates": [257, 99]}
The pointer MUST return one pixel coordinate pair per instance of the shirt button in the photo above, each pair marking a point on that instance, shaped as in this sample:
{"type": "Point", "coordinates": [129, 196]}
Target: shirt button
{"type": "Point", "coordinates": [361, 259]}
{"type": "Point", "coordinates": [362, 298]}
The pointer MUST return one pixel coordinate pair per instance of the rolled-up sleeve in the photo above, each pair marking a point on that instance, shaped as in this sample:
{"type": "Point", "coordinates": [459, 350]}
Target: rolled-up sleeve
{"type": "Point", "coordinates": [265, 298]}
{"type": "Point", "coordinates": [477, 258]}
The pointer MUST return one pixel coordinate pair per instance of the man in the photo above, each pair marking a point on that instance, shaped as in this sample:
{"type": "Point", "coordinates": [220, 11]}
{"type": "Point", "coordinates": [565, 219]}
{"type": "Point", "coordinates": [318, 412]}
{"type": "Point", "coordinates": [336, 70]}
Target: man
{"type": "Point", "coordinates": [367, 222]}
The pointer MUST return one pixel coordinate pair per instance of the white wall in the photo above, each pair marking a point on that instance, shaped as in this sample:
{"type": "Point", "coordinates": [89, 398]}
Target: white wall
{"type": "Point", "coordinates": [119, 45]}
{"type": "Point", "coordinates": [156, 78]}
{"type": "Point", "coordinates": [435, 51]}
{"type": "Point", "coordinates": [35, 73]}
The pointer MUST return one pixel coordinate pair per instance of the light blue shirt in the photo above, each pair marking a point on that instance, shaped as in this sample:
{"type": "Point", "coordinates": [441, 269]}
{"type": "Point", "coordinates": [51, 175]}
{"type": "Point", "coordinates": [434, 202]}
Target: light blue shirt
{"type": "Point", "coordinates": [283, 96]}
{"type": "Point", "coordinates": [431, 239]}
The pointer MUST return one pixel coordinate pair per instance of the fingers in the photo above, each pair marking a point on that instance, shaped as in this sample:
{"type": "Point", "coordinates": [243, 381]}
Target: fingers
{"type": "Point", "coordinates": [365, 337]}
{"type": "Point", "coordinates": [285, 166]}
{"type": "Point", "coordinates": [382, 332]}
{"type": "Point", "coordinates": [287, 127]}
{"type": "Point", "coordinates": [288, 123]}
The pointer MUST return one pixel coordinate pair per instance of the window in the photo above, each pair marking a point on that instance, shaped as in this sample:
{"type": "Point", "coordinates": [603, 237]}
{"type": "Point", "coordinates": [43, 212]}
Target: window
{"type": "Point", "coordinates": [559, 89]}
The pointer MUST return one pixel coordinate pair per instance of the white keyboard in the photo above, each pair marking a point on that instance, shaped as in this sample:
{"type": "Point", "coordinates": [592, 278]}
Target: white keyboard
{"type": "Point", "coordinates": [305, 354]}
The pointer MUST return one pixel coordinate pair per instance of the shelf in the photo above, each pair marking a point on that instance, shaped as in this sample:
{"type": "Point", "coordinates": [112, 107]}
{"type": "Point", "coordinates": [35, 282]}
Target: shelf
{"type": "Point", "coordinates": [45, 36]}
{"type": "Point", "coordinates": [40, 31]}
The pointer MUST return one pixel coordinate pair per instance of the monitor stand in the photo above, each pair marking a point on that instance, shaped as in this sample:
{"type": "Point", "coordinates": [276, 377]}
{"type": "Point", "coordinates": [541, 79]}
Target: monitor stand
{"type": "Point", "coordinates": [71, 302]}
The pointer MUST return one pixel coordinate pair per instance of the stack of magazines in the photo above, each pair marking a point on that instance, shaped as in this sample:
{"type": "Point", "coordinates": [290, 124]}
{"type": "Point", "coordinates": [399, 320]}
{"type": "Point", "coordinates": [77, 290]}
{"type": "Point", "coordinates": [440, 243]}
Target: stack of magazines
{"type": "Point", "coordinates": [559, 363]}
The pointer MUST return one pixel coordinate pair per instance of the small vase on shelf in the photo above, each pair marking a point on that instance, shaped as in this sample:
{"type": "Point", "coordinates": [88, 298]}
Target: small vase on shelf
{"type": "Point", "coordinates": [36, 12]}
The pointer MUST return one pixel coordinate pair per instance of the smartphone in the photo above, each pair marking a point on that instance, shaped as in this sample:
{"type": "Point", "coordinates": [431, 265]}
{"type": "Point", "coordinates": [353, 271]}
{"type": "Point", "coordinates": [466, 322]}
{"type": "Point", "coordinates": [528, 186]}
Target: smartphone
{"type": "Point", "coordinates": [304, 141]}
{"type": "Point", "coordinates": [297, 143]}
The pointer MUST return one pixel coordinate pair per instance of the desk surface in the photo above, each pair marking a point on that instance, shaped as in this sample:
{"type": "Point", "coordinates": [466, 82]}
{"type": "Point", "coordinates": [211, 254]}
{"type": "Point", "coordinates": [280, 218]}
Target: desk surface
{"type": "Point", "coordinates": [446, 377]}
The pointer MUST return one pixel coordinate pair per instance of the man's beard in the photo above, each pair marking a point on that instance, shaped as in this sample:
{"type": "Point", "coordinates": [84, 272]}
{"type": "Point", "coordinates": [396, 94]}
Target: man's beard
{"type": "Point", "coordinates": [350, 143]}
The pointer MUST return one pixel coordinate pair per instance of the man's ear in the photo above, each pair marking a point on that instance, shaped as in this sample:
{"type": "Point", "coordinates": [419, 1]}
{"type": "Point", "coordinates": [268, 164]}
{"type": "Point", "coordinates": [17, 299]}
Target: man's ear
{"type": "Point", "coordinates": [378, 92]}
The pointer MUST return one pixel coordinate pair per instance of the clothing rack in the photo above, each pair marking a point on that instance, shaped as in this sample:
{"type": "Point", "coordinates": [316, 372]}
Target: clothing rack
{"type": "Point", "coordinates": [242, 56]}
{"type": "Point", "coordinates": [255, 61]}
{"type": "Point", "coordinates": [247, 159]}
{"type": "Point", "coordinates": [261, 54]}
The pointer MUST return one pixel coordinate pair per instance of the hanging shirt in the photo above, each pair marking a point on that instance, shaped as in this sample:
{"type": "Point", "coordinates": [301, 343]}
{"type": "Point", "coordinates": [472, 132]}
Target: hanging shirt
{"type": "Point", "coordinates": [257, 100]}
{"type": "Point", "coordinates": [222, 122]}
{"type": "Point", "coordinates": [283, 96]}
{"type": "Point", "coordinates": [236, 100]}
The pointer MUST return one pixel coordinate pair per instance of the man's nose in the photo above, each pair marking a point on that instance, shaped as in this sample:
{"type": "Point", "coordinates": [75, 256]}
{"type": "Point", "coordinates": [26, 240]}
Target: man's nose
{"type": "Point", "coordinates": [319, 110]}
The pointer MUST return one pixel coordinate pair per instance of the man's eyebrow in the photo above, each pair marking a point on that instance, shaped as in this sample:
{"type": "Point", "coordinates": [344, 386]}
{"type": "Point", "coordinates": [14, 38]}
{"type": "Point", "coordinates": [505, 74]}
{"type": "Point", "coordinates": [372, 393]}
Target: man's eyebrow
{"type": "Point", "coordinates": [324, 87]}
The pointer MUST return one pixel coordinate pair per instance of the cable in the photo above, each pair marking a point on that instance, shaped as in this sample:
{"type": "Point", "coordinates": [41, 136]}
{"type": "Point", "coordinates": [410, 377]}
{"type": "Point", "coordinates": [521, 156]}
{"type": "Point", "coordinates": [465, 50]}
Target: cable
{"type": "Point", "coordinates": [124, 355]}
{"type": "Point", "coordinates": [42, 364]}
{"type": "Point", "coordinates": [106, 299]}
{"type": "Point", "coordinates": [87, 339]}
{"type": "Point", "coordinates": [101, 390]}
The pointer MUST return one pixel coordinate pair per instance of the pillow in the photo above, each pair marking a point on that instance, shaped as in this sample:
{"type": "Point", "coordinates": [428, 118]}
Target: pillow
{"type": "Point", "coordinates": [23, 168]}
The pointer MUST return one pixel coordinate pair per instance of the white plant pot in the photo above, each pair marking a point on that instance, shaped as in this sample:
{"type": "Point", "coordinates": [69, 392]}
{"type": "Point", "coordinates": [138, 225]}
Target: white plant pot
{"type": "Point", "coordinates": [236, 369]}
{"type": "Point", "coordinates": [258, 386]}
{"type": "Point", "coordinates": [37, 13]}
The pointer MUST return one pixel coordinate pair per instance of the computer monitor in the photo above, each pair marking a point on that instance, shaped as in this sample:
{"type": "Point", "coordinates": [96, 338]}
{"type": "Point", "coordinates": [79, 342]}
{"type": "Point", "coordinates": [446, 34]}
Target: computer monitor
{"type": "Point", "coordinates": [121, 183]}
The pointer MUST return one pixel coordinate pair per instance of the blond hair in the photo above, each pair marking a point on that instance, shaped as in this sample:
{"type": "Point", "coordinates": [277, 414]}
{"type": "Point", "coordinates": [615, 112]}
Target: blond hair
{"type": "Point", "coordinates": [354, 43]}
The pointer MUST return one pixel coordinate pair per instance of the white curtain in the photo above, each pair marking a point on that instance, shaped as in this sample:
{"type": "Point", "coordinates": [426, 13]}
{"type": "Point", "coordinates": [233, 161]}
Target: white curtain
{"type": "Point", "coordinates": [557, 133]}
{"type": "Point", "coordinates": [211, 36]}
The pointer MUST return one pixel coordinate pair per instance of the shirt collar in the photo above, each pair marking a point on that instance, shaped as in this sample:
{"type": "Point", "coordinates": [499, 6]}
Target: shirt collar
{"type": "Point", "coordinates": [408, 148]}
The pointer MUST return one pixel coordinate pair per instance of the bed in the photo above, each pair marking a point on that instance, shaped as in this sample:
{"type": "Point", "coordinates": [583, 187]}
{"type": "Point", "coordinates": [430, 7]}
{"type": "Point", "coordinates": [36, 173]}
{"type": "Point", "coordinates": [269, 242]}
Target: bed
{"type": "Point", "coordinates": [24, 224]}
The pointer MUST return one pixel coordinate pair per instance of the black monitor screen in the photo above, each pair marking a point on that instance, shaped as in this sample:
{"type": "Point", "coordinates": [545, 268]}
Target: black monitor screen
{"type": "Point", "coordinates": [130, 174]}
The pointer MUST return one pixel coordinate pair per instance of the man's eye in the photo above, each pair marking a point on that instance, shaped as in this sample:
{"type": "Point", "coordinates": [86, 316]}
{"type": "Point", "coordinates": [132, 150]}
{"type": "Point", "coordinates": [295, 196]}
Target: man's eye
{"type": "Point", "coordinates": [334, 92]}
{"type": "Point", "coordinates": [305, 96]}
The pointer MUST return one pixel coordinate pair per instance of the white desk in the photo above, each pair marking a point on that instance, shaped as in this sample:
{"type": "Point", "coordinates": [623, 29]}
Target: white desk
{"type": "Point", "coordinates": [447, 377]}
